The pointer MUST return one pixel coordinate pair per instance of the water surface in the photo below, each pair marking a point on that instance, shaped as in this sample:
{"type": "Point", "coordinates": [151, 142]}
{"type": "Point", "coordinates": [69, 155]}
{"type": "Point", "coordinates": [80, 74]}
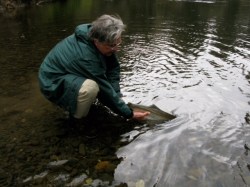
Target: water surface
{"type": "Point", "coordinates": [190, 58]}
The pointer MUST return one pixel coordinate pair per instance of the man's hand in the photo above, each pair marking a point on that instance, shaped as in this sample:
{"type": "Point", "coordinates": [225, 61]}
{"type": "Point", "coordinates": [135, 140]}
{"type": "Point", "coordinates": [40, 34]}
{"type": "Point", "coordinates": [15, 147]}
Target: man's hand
{"type": "Point", "coordinates": [138, 115]}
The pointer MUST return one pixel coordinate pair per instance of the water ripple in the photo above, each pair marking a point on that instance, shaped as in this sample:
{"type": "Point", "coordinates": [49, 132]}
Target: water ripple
{"type": "Point", "coordinates": [200, 76]}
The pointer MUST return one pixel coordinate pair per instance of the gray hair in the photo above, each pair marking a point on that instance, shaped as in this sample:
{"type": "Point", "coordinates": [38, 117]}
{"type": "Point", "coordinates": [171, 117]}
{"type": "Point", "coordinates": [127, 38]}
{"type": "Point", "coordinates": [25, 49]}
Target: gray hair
{"type": "Point", "coordinates": [107, 28]}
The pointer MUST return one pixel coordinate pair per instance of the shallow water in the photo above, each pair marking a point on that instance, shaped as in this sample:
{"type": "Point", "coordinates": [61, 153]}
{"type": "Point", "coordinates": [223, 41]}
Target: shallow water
{"type": "Point", "coordinates": [190, 58]}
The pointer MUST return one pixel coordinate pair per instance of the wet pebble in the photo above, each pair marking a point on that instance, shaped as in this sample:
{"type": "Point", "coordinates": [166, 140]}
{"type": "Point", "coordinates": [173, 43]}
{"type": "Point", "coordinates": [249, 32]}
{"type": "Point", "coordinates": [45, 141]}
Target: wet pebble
{"type": "Point", "coordinates": [78, 180]}
{"type": "Point", "coordinates": [57, 165]}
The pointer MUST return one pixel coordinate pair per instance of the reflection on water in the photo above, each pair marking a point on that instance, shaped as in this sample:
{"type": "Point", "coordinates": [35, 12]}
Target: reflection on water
{"type": "Point", "coordinates": [190, 58]}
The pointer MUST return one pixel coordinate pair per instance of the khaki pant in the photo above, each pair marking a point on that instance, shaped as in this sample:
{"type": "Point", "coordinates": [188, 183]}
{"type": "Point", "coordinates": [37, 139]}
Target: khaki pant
{"type": "Point", "coordinates": [86, 96]}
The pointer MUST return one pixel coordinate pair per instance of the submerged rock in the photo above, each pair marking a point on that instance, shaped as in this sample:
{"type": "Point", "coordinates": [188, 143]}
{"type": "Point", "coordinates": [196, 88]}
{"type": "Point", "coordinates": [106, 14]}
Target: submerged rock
{"type": "Point", "coordinates": [105, 166]}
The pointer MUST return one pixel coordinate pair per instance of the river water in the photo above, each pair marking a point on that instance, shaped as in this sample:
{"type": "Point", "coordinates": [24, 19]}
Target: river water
{"type": "Point", "coordinates": [189, 58]}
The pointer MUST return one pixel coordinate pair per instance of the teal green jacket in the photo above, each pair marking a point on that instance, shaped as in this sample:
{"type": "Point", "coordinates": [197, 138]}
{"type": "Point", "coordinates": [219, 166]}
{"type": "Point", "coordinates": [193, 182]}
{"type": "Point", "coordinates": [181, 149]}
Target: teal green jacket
{"type": "Point", "coordinates": [70, 63]}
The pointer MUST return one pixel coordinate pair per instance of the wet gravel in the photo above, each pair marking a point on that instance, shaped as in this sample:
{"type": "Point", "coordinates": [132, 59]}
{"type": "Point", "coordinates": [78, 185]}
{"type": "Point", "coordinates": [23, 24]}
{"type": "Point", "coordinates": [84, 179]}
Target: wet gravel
{"type": "Point", "coordinates": [52, 150]}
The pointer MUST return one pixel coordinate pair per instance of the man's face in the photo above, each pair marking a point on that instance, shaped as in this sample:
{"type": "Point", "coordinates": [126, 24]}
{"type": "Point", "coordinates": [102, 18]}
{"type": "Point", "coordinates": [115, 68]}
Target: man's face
{"type": "Point", "coordinates": [108, 49]}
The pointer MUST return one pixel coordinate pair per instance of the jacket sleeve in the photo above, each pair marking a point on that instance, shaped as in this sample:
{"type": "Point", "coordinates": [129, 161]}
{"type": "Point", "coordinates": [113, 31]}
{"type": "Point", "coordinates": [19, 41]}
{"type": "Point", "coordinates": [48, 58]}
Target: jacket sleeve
{"type": "Point", "coordinates": [113, 74]}
{"type": "Point", "coordinates": [107, 95]}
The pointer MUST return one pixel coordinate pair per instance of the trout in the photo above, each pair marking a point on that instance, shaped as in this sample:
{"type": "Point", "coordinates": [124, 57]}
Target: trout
{"type": "Point", "coordinates": [156, 115]}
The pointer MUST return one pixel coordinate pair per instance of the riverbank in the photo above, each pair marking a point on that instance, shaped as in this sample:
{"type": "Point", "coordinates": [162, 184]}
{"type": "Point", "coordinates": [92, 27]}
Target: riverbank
{"type": "Point", "coordinates": [9, 8]}
{"type": "Point", "coordinates": [52, 151]}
